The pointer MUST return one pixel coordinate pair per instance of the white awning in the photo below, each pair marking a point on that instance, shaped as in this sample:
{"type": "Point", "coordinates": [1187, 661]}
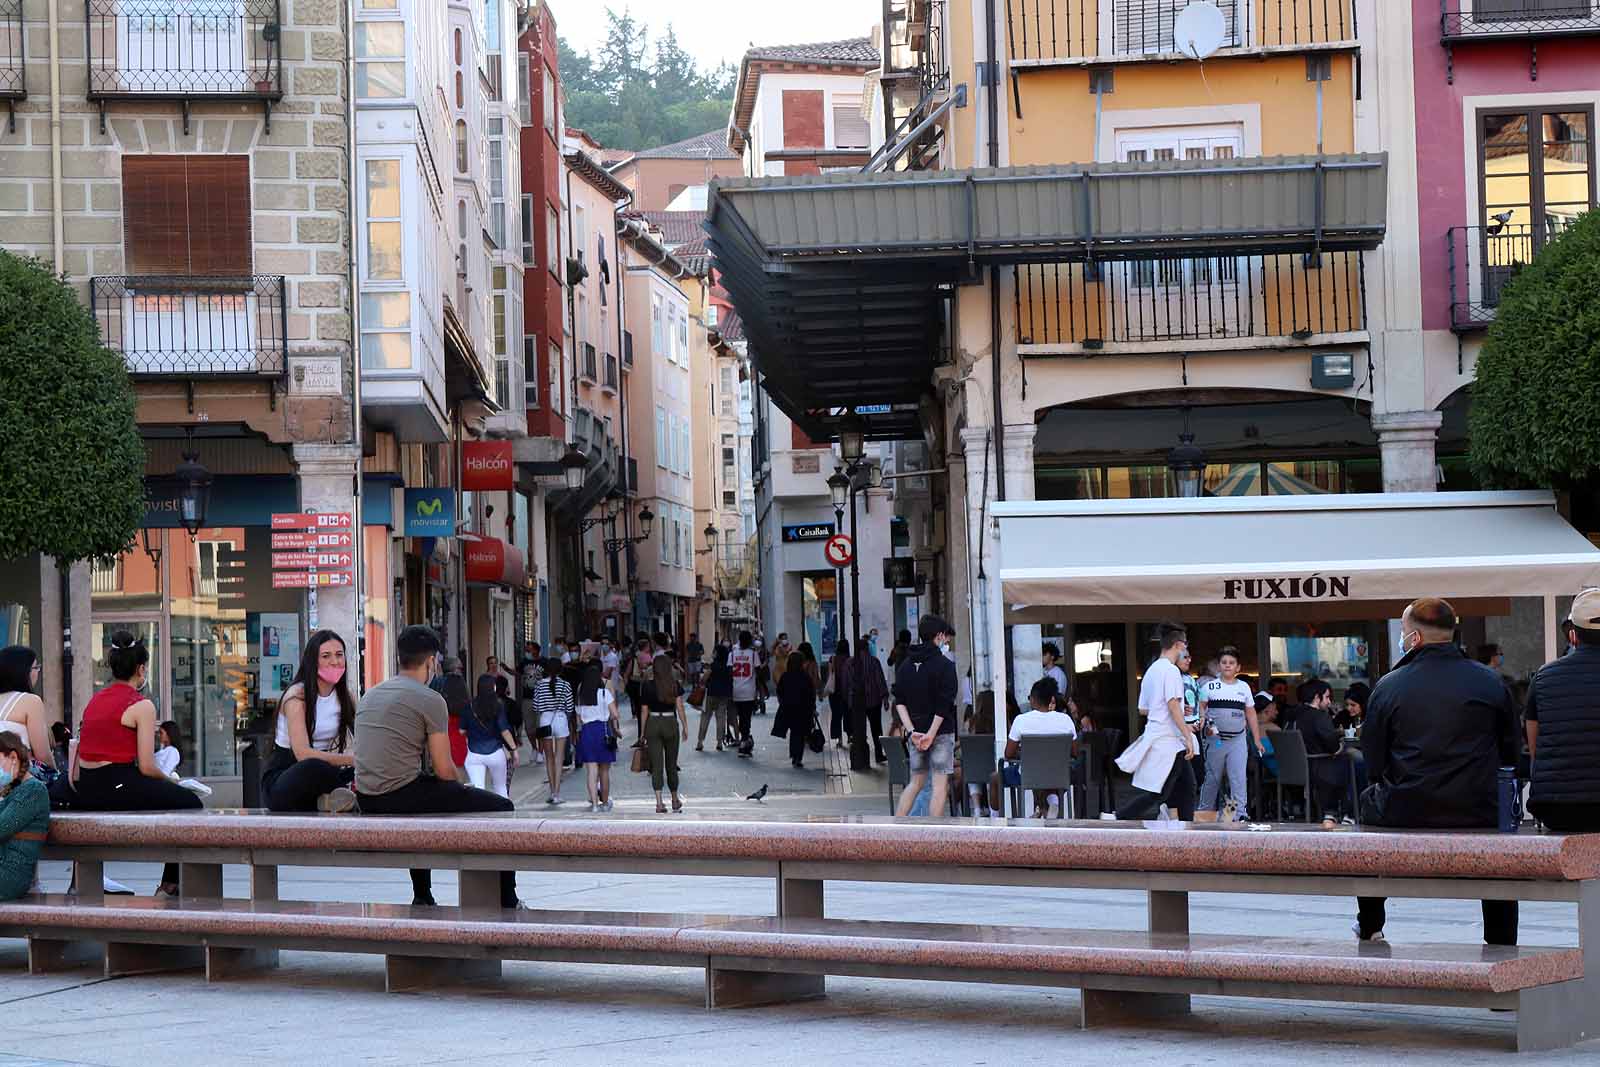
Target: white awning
{"type": "Point", "coordinates": [1260, 553]}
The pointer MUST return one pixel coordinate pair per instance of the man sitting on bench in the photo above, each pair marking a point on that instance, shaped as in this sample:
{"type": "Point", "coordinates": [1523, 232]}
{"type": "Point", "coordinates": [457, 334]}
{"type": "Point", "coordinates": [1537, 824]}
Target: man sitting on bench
{"type": "Point", "coordinates": [397, 724]}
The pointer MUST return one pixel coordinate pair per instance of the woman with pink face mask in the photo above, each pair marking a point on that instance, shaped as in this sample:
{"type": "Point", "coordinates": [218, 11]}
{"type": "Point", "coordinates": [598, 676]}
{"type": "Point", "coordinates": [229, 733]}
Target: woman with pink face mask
{"type": "Point", "coordinates": [313, 760]}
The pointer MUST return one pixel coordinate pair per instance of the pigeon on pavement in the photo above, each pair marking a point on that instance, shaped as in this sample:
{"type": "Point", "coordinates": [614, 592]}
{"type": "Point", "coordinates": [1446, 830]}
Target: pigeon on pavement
{"type": "Point", "coordinates": [758, 794]}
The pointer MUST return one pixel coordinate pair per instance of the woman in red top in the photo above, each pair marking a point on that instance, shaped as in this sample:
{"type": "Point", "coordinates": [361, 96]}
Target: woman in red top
{"type": "Point", "coordinates": [115, 768]}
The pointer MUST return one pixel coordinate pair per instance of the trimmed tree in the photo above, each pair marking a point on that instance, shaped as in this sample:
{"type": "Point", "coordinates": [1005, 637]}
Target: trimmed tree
{"type": "Point", "coordinates": [71, 461]}
{"type": "Point", "coordinates": [1535, 418]}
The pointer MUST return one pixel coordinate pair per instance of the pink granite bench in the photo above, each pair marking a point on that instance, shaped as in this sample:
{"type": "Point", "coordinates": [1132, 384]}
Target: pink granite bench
{"type": "Point", "coordinates": [1556, 992]}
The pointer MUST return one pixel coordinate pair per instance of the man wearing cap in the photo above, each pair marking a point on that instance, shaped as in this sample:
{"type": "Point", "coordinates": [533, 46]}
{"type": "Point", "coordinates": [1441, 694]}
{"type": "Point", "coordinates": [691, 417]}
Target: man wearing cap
{"type": "Point", "coordinates": [925, 691]}
{"type": "Point", "coordinates": [1563, 715]}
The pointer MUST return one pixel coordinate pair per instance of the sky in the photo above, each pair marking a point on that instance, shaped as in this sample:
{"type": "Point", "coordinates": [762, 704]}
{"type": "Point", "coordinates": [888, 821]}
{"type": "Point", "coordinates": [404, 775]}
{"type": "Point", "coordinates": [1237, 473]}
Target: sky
{"type": "Point", "coordinates": [717, 30]}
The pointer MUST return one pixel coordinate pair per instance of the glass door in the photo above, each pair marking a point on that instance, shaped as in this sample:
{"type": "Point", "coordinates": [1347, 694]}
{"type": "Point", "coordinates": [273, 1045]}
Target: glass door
{"type": "Point", "coordinates": [146, 629]}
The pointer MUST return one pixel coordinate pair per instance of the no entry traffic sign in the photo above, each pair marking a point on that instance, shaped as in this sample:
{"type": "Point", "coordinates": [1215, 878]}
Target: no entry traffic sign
{"type": "Point", "coordinates": [839, 550]}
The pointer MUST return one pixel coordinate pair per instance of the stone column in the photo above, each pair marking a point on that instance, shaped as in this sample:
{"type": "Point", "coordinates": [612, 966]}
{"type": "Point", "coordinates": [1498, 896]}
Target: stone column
{"type": "Point", "coordinates": [327, 483]}
{"type": "Point", "coordinates": [1406, 444]}
{"type": "Point", "coordinates": [1027, 664]}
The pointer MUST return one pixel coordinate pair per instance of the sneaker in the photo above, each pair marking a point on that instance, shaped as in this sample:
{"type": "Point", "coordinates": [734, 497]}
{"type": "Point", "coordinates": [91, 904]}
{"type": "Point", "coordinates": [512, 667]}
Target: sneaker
{"type": "Point", "coordinates": [594, 808]}
{"type": "Point", "coordinates": [609, 805]}
{"type": "Point", "coordinates": [337, 802]}
{"type": "Point", "coordinates": [1355, 928]}
{"type": "Point", "coordinates": [557, 801]}
{"type": "Point", "coordinates": [551, 801]}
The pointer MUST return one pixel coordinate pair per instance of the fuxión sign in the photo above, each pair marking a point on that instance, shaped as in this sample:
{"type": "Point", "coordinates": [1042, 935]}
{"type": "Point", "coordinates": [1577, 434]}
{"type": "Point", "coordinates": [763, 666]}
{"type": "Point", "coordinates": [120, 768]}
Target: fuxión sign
{"type": "Point", "coordinates": [1314, 587]}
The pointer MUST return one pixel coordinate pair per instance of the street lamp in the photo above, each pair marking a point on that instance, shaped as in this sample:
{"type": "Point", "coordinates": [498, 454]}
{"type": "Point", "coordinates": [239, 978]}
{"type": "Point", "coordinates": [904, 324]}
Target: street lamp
{"type": "Point", "coordinates": [1187, 461]}
{"type": "Point", "coordinates": [194, 493]}
{"type": "Point", "coordinates": [710, 533]}
{"type": "Point", "coordinates": [646, 517]}
{"type": "Point", "coordinates": [573, 465]}
{"type": "Point", "coordinates": [839, 490]}
{"type": "Point", "coordinates": [852, 441]}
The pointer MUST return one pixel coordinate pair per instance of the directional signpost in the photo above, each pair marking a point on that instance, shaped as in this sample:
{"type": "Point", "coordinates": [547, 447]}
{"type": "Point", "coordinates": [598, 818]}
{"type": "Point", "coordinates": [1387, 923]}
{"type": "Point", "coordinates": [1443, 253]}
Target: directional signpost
{"type": "Point", "coordinates": [312, 551]}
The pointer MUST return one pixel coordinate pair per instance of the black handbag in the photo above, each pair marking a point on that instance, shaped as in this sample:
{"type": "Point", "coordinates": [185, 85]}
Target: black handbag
{"type": "Point", "coordinates": [817, 741]}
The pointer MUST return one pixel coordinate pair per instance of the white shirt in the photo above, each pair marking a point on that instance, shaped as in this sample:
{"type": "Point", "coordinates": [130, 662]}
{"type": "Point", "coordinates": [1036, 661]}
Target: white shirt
{"type": "Point", "coordinates": [600, 710]}
{"type": "Point", "coordinates": [167, 760]}
{"type": "Point", "coordinates": [742, 664]}
{"type": "Point", "coordinates": [327, 725]}
{"type": "Point", "coordinates": [1060, 676]}
{"type": "Point", "coordinates": [609, 663]}
{"type": "Point", "coordinates": [1036, 723]}
{"type": "Point", "coordinates": [1149, 759]}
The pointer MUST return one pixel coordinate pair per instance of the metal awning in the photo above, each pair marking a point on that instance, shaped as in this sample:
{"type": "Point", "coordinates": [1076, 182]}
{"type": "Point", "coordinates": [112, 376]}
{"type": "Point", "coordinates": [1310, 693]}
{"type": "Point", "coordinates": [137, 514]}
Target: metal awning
{"type": "Point", "coordinates": [1314, 555]}
{"type": "Point", "coordinates": [839, 278]}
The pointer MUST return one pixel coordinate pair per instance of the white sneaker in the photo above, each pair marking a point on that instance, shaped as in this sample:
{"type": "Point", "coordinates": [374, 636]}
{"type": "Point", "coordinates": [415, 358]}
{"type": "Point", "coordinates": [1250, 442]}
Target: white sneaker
{"type": "Point", "coordinates": [593, 808]}
{"type": "Point", "coordinates": [557, 801]}
{"type": "Point", "coordinates": [1355, 928]}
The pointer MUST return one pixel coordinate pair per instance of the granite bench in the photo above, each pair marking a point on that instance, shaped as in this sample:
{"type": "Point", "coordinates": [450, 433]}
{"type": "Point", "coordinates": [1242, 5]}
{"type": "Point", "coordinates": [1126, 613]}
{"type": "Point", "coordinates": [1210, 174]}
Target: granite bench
{"type": "Point", "coordinates": [1557, 994]}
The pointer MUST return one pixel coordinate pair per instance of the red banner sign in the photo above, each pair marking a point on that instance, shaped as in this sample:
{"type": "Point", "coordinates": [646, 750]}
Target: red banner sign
{"type": "Point", "coordinates": [495, 562]}
{"type": "Point", "coordinates": [305, 580]}
{"type": "Point", "coordinates": [487, 466]}
{"type": "Point", "coordinates": [299, 561]}
{"type": "Point", "coordinates": [303, 541]}
{"type": "Point", "coordinates": [331, 520]}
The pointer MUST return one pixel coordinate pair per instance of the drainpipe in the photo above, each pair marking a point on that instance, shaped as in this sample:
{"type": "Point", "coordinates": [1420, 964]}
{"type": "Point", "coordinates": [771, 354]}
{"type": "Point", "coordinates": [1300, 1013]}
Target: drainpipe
{"type": "Point", "coordinates": [994, 296]}
{"type": "Point", "coordinates": [58, 236]}
{"type": "Point", "coordinates": [358, 537]}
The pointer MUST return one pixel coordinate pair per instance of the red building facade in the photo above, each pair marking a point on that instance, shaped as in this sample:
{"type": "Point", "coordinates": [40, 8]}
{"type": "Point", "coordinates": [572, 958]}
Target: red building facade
{"type": "Point", "coordinates": [542, 244]}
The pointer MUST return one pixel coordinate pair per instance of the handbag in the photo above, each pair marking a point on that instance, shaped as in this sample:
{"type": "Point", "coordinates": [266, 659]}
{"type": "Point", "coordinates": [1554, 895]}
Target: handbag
{"type": "Point", "coordinates": [640, 763]}
{"type": "Point", "coordinates": [697, 696]}
{"type": "Point", "coordinates": [817, 741]}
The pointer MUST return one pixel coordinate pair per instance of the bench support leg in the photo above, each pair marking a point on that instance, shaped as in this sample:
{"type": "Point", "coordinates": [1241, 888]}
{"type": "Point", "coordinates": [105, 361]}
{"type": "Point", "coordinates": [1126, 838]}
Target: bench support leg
{"type": "Point", "coordinates": [129, 957]}
{"type": "Point", "coordinates": [479, 889]}
{"type": "Point", "coordinates": [200, 880]}
{"type": "Point", "coordinates": [1169, 912]}
{"type": "Point", "coordinates": [799, 898]}
{"type": "Point", "coordinates": [1169, 915]}
{"type": "Point", "coordinates": [90, 883]}
{"type": "Point", "coordinates": [727, 988]}
{"type": "Point", "coordinates": [1561, 1015]}
{"type": "Point", "coordinates": [264, 882]}
{"type": "Point", "coordinates": [403, 974]}
{"type": "Point", "coordinates": [48, 956]}
{"type": "Point", "coordinates": [224, 963]}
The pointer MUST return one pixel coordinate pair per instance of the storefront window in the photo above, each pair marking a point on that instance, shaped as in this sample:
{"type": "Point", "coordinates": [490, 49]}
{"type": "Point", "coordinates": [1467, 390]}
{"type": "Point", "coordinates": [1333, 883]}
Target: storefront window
{"type": "Point", "coordinates": [1337, 653]}
{"type": "Point", "coordinates": [1304, 477]}
{"type": "Point", "coordinates": [1233, 479]}
{"type": "Point", "coordinates": [1068, 483]}
{"type": "Point", "coordinates": [1136, 483]}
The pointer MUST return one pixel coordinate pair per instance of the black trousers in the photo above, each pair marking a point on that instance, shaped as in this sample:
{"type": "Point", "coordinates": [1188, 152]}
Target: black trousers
{"type": "Point", "coordinates": [427, 795]}
{"type": "Point", "coordinates": [840, 712]}
{"type": "Point", "coordinates": [121, 787]}
{"type": "Point", "coordinates": [797, 745]}
{"type": "Point", "coordinates": [1177, 793]}
{"type": "Point", "coordinates": [1499, 919]}
{"type": "Point", "coordinates": [296, 787]}
{"type": "Point", "coordinates": [745, 709]}
{"type": "Point", "coordinates": [1567, 818]}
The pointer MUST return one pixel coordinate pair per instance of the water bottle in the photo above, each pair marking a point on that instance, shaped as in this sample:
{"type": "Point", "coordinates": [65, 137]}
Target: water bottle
{"type": "Point", "coordinates": [1510, 798]}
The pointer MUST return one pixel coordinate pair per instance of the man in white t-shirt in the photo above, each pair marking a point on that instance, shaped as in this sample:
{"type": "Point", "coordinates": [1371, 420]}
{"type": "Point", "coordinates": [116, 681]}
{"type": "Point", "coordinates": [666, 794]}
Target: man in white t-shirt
{"type": "Point", "coordinates": [1159, 759]}
{"type": "Point", "coordinates": [742, 665]}
{"type": "Point", "coordinates": [609, 660]}
{"type": "Point", "coordinates": [1051, 655]}
{"type": "Point", "coordinates": [1227, 703]}
{"type": "Point", "coordinates": [1046, 716]}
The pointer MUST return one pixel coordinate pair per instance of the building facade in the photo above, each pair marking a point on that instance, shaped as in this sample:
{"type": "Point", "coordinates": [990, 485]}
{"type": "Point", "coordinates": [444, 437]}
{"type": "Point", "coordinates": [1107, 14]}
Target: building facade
{"type": "Point", "coordinates": [657, 177]}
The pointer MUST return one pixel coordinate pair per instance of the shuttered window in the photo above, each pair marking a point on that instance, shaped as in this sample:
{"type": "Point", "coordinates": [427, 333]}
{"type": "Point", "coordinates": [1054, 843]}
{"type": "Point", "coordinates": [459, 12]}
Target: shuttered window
{"type": "Point", "coordinates": [186, 215]}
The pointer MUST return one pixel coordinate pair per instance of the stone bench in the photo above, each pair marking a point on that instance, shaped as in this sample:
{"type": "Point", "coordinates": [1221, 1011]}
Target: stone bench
{"type": "Point", "coordinates": [782, 957]}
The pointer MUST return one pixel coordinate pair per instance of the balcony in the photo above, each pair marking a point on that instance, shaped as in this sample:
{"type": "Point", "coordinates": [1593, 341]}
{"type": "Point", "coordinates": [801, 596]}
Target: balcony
{"type": "Point", "coordinates": [1483, 260]}
{"type": "Point", "coordinates": [13, 84]}
{"type": "Point", "coordinates": [1204, 303]}
{"type": "Point", "coordinates": [1080, 32]}
{"type": "Point", "coordinates": [609, 383]}
{"type": "Point", "coordinates": [196, 50]}
{"type": "Point", "coordinates": [194, 327]}
{"type": "Point", "coordinates": [1522, 20]}
{"type": "Point", "coordinates": [588, 368]}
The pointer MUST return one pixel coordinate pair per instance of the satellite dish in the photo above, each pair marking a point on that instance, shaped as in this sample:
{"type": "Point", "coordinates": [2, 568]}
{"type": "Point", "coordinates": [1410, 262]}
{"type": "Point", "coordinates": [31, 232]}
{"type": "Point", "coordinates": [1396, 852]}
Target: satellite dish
{"type": "Point", "coordinates": [1199, 29]}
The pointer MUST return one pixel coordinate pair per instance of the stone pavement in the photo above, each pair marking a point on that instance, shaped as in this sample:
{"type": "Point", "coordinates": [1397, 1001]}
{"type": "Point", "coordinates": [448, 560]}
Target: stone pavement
{"type": "Point", "coordinates": [332, 1009]}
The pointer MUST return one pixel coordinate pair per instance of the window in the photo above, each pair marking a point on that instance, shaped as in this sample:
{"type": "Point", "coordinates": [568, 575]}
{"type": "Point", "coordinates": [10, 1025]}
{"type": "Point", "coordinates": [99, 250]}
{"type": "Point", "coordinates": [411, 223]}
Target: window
{"type": "Point", "coordinates": [380, 49]}
{"type": "Point", "coordinates": [711, 315]}
{"type": "Point", "coordinates": [384, 237]}
{"type": "Point", "coordinates": [552, 242]}
{"type": "Point", "coordinates": [461, 146]}
{"type": "Point", "coordinates": [849, 128]}
{"type": "Point", "coordinates": [524, 113]}
{"type": "Point", "coordinates": [682, 338]}
{"type": "Point", "coordinates": [727, 454]}
{"type": "Point", "coordinates": [661, 437]}
{"type": "Point", "coordinates": [386, 331]}
{"type": "Point", "coordinates": [1182, 142]}
{"type": "Point", "coordinates": [555, 376]}
{"type": "Point", "coordinates": [665, 537]}
{"type": "Point", "coordinates": [658, 325]}
{"type": "Point", "coordinates": [580, 232]}
{"type": "Point", "coordinates": [730, 499]}
{"type": "Point", "coordinates": [461, 89]}
{"type": "Point", "coordinates": [550, 104]}
{"type": "Point", "coordinates": [186, 214]}
{"type": "Point", "coordinates": [527, 229]}
{"type": "Point", "coordinates": [530, 371]}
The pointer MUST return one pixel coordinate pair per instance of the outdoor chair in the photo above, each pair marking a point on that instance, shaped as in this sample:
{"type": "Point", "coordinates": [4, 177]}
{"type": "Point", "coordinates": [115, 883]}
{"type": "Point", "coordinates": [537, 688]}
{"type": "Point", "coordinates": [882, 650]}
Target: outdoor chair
{"type": "Point", "coordinates": [1294, 769]}
{"type": "Point", "coordinates": [899, 765]}
{"type": "Point", "coordinates": [1095, 748]}
{"type": "Point", "coordinates": [977, 765]}
{"type": "Point", "coordinates": [1047, 766]}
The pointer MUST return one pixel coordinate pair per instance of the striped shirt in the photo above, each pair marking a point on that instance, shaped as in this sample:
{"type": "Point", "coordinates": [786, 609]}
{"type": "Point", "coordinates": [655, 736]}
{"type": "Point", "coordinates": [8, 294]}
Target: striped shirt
{"type": "Point", "coordinates": [550, 697]}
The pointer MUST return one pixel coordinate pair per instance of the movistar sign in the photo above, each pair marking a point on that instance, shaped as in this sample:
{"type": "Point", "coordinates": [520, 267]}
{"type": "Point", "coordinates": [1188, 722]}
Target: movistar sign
{"type": "Point", "coordinates": [430, 512]}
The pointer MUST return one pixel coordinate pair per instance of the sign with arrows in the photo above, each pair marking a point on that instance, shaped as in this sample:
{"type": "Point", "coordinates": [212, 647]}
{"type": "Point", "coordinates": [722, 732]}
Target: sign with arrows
{"type": "Point", "coordinates": [329, 520]}
{"type": "Point", "coordinates": [310, 580]}
{"type": "Point", "coordinates": [300, 542]}
{"type": "Point", "coordinates": [299, 561]}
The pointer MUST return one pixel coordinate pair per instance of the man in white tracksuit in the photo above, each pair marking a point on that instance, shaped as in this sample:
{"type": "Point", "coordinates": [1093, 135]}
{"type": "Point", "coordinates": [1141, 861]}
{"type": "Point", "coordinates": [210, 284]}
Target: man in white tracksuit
{"type": "Point", "coordinates": [1230, 706]}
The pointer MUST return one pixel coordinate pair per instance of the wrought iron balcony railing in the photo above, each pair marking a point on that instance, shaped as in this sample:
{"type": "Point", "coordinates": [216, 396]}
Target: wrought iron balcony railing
{"type": "Point", "coordinates": [1465, 20]}
{"type": "Point", "coordinates": [1287, 295]}
{"type": "Point", "coordinates": [184, 50]}
{"type": "Point", "coordinates": [1056, 30]}
{"type": "Point", "coordinates": [1484, 259]}
{"type": "Point", "coordinates": [194, 327]}
{"type": "Point", "coordinates": [13, 83]}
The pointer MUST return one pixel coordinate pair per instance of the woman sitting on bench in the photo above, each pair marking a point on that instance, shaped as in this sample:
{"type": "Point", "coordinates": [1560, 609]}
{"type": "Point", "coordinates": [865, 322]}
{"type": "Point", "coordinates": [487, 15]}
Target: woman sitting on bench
{"type": "Point", "coordinates": [24, 817]}
{"type": "Point", "coordinates": [313, 765]}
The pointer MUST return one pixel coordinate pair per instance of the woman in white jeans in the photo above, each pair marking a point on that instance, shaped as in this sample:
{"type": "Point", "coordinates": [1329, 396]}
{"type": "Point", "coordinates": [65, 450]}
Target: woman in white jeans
{"type": "Point", "coordinates": [490, 746]}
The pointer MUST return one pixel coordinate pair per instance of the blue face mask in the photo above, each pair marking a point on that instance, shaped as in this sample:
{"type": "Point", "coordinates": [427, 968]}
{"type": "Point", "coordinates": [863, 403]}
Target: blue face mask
{"type": "Point", "coordinates": [872, 645]}
{"type": "Point", "coordinates": [6, 778]}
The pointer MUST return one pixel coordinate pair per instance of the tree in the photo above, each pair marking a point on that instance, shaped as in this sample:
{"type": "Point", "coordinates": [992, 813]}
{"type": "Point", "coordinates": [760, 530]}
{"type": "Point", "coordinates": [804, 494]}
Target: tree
{"type": "Point", "coordinates": [71, 461]}
{"type": "Point", "coordinates": [1535, 418]}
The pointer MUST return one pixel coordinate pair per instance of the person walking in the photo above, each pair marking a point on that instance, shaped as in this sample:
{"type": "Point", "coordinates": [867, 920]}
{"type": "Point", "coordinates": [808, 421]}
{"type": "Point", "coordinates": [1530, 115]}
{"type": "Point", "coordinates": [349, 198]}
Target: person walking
{"type": "Point", "coordinates": [598, 730]}
{"type": "Point", "coordinates": [399, 723]}
{"type": "Point", "coordinates": [491, 746]}
{"type": "Point", "coordinates": [666, 724]}
{"type": "Point", "coordinates": [718, 698]}
{"type": "Point", "coordinates": [1227, 703]}
{"type": "Point", "coordinates": [925, 691]}
{"type": "Point", "coordinates": [116, 760]}
{"type": "Point", "coordinates": [869, 694]}
{"type": "Point", "coordinates": [797, 706]}
{"type": "Point", "coordinates": [312, 765]}
{"type": "Point", "coordinates": [1563, 727]}
{"type": "Point", "coordinates": [838, 692]}
{"type": "Point", "coordinates": [742, 665]}
{"type": "Point", "coordinates": [1160, 761]}
{"type": "Point", "coordinates": [22, 712]}
{"type": "Point", "coordinates": [452, 685]}
{"type": "Point", "coordinates": [24, 817]}
{"type": "Point", "coordinates": [1439, 728]}
{"type": "Point", "coordinates": [694, 654]}
{"type": "Point", "coordinates": [553, 702]}
{"type": "Point", "coordinates": [636, 675]}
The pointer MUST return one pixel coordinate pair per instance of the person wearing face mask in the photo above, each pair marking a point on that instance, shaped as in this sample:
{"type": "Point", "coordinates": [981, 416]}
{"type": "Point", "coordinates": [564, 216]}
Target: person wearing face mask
{"type": "Point", "coordinates": [399, 724]}
{"type": "Point", "coordinates": [24, 818]}
{"type": "Point", "coordinates": [925, 693]}
{"type": "Point", "coordinates": [115, 768]}
{"type": "Point", "coordinates": [312, 766]}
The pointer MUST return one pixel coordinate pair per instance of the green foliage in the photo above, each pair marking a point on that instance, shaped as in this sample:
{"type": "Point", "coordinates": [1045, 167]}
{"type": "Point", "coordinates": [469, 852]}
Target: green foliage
{"type": "Point", "coordinates": [630, 94]}
{"type": "Point", "coordinates": [71, 461]}
{"type": "Point", "coordinates": [1535, 417]}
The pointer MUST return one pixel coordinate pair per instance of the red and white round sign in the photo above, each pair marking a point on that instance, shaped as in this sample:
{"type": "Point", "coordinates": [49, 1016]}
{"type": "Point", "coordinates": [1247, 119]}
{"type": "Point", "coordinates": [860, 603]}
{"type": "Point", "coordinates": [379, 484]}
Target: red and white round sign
{"type": "Point", "coordinates": [839, 550]}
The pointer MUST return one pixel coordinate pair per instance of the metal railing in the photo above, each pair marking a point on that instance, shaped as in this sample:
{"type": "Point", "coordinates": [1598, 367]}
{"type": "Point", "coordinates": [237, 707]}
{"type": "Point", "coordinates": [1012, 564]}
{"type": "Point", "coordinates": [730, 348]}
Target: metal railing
{"type": "Point", "coordinates": [1460, 19]}
{"type": "Point", "coordinates": [13, 84]}
{"type": "Point", "coordinates": [194, 326]}
{"type": "Point", "coordinates": [611, 378]}
{"type": "Point", "coordinates": [1484, 259]}
{"type": "Point", "coordinates": [1092, 29]}
{"type": "Point", "coordinates": [588, 369]}
{"type": "Point", "coordinates": [184, 48]}
{"type": "Point", "coordinates": [1290, 295]}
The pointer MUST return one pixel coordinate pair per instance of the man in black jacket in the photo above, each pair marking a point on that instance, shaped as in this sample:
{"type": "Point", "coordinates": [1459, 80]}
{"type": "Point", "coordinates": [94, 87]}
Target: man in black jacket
{"type": "Point", "coordinates": [1438, 730]}
{"type": "Point", "coordinates": [1564, 727]}
{"type": "Point", "coordinates": [925, 691]}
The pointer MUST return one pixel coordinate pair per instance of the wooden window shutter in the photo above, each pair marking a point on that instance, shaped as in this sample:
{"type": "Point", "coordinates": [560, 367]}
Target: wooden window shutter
{"type": "Point", "coordinates": [155, 214]}
{"type": "Point", "coordinates": [219, 215]}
